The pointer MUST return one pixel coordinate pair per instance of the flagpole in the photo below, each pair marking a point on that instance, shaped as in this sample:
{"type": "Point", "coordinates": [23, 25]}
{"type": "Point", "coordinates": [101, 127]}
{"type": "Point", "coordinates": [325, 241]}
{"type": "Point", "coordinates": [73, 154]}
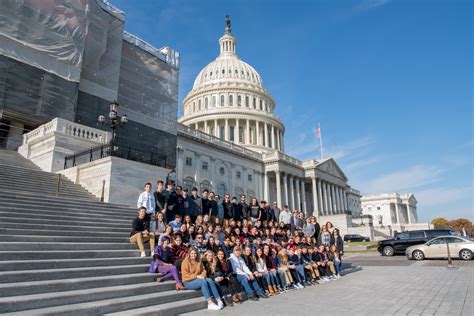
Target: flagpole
{"type": "Point", "coordinates": [320, 141]}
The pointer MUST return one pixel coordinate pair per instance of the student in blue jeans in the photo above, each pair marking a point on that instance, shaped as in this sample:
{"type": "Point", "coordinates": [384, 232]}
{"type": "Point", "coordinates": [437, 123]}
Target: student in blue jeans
{"type": "Point", "coordinates": [194, 277]}
{"type": "Point", "coordinates": [245, 276]}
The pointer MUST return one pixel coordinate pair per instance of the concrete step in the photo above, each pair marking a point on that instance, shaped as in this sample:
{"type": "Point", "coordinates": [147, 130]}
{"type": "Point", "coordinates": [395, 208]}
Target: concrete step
{"type": "Point", "coordinates": [87, 228]}
{"type": "Point", "coordinates": [68, 273]}
{"type": "Point", "coordinates": [52, 200]}
{"type": "Point", "coordinates": [68, 254]}
{"type": "Point", "coordinates": [40, 246]}
{"type": "Point", "coordinates": [49, 286]}
{"type": "Point", "coordinates": [65, 216]}
{"type": "Point", "coordinates": [65, 239]}
{"type": "Point", "coordinates": [47, 190]}
{"type": "Point", "coordinates": [114, 305]}
{"type": "Point", "coordinates": [34, 301]}
{"type": "Point", "coordinates": [50, 193]}
{"type": "Point", "coordinates": [166, 309]}
{"type": "Point", "coordinates": [66, 207]}
{"type": "Point", "coordinates": [32, 219]}
{"type": "Point", "coordinates": [62, 232]}
{"type": "Point", "coordinates": [27, 196]}
{"type": "Point", "coordinates": [19, 265]}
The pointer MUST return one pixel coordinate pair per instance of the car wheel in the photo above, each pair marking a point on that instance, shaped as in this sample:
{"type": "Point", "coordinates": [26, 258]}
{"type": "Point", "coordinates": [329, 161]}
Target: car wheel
{"type": "Point", "coordinates": [388, 251]}
{"type": "Point", "coordinates": [418, 255]}
{"type": "Point", "coordinates": [465, 254]}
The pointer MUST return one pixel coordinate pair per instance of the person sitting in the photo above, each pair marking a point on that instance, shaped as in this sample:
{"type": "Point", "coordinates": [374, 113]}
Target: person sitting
{"type": "Point", "coordinates": [178, 252]}
{"type": "Point", "coordinates": [141, 232]}
{"type": "Point", "coordinates": [245, 276]}
{"type": "Point", "coordinates": [176, 223]}
{"type": "Point", "coordinates": [282, 264]}
{"type": "Point", "coordinates": [209, 263]}
{"type": "Point", "coordinates": [261, 265]}
{"type": "Point", "coordinates": [225, 277]}
{"type": "Point", "coordinates": [325, 266]}
{"type": "Point", "coordinates": [200, 245]}
{"type": "Point", "coordinates": [294, 264]}
{"type": "Point", "coordinates": [305, 259]}
{"type": "Point", "coordinates": [334, 256]}
{"type": "Point", "coordinates": [162, 263]}
{"type": "Point", "coordinates": [194, 278]}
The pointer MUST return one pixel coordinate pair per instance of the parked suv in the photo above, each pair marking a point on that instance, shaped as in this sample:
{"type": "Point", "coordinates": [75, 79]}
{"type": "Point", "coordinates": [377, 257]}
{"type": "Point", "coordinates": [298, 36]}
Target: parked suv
{"type": "Point", "coordinates": [403, 240]}
{"type": "Point", "coordinates": [355, 237]}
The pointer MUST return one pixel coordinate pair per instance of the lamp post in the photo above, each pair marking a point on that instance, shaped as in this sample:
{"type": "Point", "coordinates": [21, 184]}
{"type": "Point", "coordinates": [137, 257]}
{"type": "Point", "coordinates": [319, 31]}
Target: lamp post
{"type": "Point", "coordinates": [114, 120]}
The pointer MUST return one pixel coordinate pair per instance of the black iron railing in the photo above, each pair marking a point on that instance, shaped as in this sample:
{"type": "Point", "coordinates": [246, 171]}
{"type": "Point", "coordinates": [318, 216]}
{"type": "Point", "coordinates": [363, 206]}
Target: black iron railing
{"type": "Point", "coordinates": [115, 150]}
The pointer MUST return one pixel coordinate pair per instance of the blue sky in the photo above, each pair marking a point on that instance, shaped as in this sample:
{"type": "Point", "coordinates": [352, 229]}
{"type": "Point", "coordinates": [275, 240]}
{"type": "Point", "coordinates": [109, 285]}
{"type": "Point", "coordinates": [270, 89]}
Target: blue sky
{"type": "Point", "coordinates": [390, 82]}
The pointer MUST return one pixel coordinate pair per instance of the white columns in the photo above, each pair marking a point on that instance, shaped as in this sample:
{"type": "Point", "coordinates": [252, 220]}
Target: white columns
{"type": "Point", "coordinates": [408, 213]}
{"type": "Point", "coordinates": [333, 197]}
{"type": "Point", "coordinates": [278, 147]}
{"type": "Point", "coordinates": [292, 193]}
{"type": "Point", "coordinates": [303, 196]}
{"type": "Point", "coordinates": [298, 194]}
{"type": "Point", "coordinates": [315, 197]}
{"type": "Point", "coordinates": [266, 134]}
{"type": "Point", "coordinates": [344, 199]}
{"type": "Point", "coordinates": [278, 187]}
{"type": "Point", "coordinates": [265, 185]}
{"type": "Point", "coordinates": [324, 198]}
{"type": "Point", "coordinates": [329, 195]}
{"type": "Point", "coordinates": [257, 133]}
{"type": "Point", "coordinates": [237, 129]}
{"type": "Point", "coordinates": [216, 129]}
{"type": "Point", "coordinates": [273, 137]}
{"type": "Point", "coordinates": [205, 127]}
{"type": "Point", "coordinates": [282, 137]}
{"type": "Point", "coordinates": [396, 213]}
{"type": "Point", "coordinates": [285, 187]}
{"type": "Point", "coordinates": [226, 130]}
{"type": "Point", "coordinates": [322, 209]}
{"type": "Point", "coordinates": [247, 133]}
{"type": "Point", "coordinates": [338, 199]}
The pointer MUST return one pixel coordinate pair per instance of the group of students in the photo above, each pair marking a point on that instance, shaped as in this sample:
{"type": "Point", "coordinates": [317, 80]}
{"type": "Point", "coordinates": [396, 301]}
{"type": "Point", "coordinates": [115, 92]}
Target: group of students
{"type": "Point", "coordinates": [245, 250]}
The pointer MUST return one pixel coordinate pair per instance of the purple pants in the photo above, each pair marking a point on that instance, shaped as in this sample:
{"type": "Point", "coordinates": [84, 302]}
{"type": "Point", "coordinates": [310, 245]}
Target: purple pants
{"type": "Point", "coordinates": [168, 273]}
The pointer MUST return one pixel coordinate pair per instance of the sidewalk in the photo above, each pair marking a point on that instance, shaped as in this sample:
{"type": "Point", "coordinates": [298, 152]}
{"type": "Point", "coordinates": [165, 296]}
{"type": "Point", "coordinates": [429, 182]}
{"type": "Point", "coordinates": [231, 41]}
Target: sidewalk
{"type": "Point", "coordinates": [416, 290]}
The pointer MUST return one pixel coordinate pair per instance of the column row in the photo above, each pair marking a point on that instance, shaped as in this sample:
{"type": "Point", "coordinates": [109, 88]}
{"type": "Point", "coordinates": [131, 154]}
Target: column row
{"type": "Point", "coordinates": [328, 198]}
{"type": "Point", "coordinates": [248, 132]}
{"type": "Point", "coordinates": [293, 191]}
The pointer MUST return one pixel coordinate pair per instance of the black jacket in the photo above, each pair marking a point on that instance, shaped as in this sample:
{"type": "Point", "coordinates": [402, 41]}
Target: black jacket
{"type": "Point", "coordinates": [220, 271]}
{"type": "Point", "coordinates": [227, 210]}
{"type": "Point", "coordinates": [338, 242]}
{"type": "Point", "coordinates": [250, 262]}
{"type": "Point", "coordinates": [139, 225]}
{"type": "Point", "coordinates": [244, 210]}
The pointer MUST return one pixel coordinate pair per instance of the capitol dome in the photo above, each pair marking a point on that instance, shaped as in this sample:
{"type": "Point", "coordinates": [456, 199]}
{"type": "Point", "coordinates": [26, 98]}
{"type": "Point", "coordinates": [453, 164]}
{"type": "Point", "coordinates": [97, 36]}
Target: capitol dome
{"type": "Point", "coordinates": [228, 100]}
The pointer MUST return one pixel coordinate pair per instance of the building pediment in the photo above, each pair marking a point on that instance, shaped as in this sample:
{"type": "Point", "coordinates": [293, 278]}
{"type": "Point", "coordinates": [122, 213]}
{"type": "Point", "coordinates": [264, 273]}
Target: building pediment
{"type": "Point", "coordinates": [330, 166]}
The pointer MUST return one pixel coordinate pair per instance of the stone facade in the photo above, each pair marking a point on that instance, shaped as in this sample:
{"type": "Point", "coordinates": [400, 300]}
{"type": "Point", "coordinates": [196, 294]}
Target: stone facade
{"type": "Point", "coordinates": [391, 209]}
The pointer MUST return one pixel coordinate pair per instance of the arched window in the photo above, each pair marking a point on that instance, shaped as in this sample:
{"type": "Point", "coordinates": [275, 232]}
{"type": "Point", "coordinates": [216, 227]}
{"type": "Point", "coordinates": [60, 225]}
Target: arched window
{"type": "Point", "coordinates": [194, 106]}
{"type": "Point", "coordinates": [239, 100]}
{"type": "Point", "coordinates": [214, 101]}
{"type": "Point", "coordinates": [206, 103]}
{"type": "Point", "coordinates": [199, 104]}
{"type": "Point", "coordinates": [247, 101]}
{"type": "Point", "coordinates": [205, 185]}
{"type": "Point", "coordinates": [221, 189]}
{"type": "Point", "coordinates": [222, 171]}
{"type": "Point", "coordinates": [188, 183]}
{"type": "Point", "coordinates": [254, 103]}
{"type": "Point", "coordinates": [222, 100]}
{"type": "Point", "coordinates": [261, 105]}
{"type": "Point", "coordinates": [231, 100]}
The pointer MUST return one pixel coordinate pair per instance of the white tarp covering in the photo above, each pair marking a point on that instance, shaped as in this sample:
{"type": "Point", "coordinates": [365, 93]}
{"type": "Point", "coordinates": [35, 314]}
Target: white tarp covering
{"type": "Point", "coordinates": [47, 34]}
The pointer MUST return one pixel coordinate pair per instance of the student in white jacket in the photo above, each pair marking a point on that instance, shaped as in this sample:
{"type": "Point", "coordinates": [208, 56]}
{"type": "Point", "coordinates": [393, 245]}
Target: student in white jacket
{"type": "Point", "coordinates": [245, 276]}
{"type": "Point", "coordinates": [147, 200]}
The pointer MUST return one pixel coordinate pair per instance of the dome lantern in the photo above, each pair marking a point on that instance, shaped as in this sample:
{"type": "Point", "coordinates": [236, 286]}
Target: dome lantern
{"type": "Point", "coordinates": [227, 42]}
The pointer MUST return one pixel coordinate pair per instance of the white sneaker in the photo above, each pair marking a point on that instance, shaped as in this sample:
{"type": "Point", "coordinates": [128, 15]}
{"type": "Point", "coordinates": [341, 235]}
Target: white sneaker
{"type": "Point", "coordinates": [213, 307]}
{"type": "Point", "coordinates": [142, 254]}
{"type": "Point", "coordinates": [337, 276]}
{"type": "Point", "coordinates": [220, 304]}
{"type": "Point", "coordinates": [299, 286]}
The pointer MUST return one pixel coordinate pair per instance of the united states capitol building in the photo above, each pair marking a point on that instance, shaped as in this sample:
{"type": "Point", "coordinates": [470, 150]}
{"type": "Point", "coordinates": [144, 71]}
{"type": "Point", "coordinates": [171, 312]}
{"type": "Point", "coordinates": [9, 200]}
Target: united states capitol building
{"type": "Point", "coordinates": [229, 139]}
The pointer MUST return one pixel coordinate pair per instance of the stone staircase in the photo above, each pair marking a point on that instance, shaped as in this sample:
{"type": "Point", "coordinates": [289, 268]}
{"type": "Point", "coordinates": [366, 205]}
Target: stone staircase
{"type": "Point", "coordinates": [68, 253]}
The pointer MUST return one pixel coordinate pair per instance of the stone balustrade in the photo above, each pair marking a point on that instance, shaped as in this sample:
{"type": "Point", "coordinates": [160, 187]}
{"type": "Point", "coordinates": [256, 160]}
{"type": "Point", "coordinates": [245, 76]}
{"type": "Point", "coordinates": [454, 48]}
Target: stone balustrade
{"type": "Point", "coordinates": [68, 128]}
{"type": "Point", "coordinates": [217, 141]}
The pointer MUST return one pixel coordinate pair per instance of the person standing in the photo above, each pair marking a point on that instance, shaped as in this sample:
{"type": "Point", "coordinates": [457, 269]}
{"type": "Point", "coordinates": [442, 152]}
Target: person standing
{"type": "Point", "coordinates": [227, 205]}
{"type": "Point", "coordinates": [160, 198]}
{"type": "Point", "coordinates": [171, 202]}
{"type": "Point", "coordinates": [276, 211]}
{"type": "Point", "coordinates": [285, 216]}
{"type": "Point", "coordinates": [244, 207]}
{"type": "Point", "coordinates": [147, 200]}
{"type": "Point", "coordinates": [197, 204]}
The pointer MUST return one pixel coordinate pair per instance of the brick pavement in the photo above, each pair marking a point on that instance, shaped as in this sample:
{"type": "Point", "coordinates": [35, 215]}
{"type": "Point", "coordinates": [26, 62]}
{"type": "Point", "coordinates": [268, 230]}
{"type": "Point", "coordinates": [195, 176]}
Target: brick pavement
{"type": "Point", "coordinates": [419, 289]}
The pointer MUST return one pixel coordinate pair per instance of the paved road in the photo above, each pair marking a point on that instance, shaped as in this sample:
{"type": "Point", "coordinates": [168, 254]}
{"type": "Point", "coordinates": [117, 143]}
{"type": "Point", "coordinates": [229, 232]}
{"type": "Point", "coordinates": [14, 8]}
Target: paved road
{"type": "Point", "coordinates": [379, 286]}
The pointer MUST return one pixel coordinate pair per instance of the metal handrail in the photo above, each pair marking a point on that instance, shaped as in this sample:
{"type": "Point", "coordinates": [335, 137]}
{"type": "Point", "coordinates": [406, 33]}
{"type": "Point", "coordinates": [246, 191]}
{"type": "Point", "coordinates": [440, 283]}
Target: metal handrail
{"type": "Point", "coordinates": [109, 150]}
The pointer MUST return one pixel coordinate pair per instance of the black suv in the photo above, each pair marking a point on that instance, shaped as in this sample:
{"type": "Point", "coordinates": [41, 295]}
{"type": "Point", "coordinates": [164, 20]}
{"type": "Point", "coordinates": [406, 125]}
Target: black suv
{"type": "Point", "coordinates": [355, 237]}
{"type": "Point", "coordinates": [403, 240]}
